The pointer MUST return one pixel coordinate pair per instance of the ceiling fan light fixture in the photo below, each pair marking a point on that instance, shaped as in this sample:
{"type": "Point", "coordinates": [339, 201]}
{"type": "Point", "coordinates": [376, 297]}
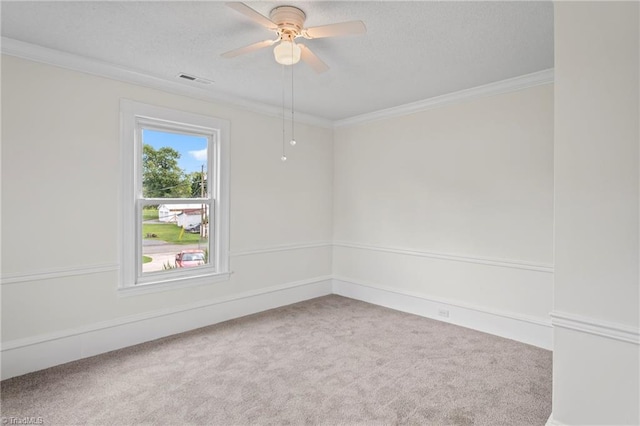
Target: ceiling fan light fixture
{"type": "Point", "coordinates": [287, 53]}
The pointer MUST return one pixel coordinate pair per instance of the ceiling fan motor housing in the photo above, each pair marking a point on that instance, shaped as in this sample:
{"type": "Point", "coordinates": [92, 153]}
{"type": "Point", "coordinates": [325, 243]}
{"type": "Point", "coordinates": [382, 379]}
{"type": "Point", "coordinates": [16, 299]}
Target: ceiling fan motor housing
{"type": "Point", "coordinates": [290, 21]}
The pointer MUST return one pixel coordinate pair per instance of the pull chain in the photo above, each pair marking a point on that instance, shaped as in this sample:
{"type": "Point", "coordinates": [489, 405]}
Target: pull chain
{"type": "Point", "coordinates": [284, 156]}
{"type": "Point", "coordinates": [293, 138]}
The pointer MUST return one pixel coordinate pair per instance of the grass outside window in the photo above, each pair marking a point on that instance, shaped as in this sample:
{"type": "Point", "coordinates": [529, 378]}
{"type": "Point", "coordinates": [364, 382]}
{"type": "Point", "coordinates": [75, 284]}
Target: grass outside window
{"type": "Point", "coordinates": [169, 232]}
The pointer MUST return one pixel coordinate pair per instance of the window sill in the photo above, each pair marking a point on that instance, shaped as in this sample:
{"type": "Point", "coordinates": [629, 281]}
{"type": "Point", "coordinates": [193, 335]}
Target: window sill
{"type": "Point", "coordinates": [174, 284]}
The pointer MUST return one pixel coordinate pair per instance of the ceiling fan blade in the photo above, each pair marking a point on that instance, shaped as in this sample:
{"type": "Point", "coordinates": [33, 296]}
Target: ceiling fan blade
{"type": "Point", "coordinates": [310, 58]}
{"type": "Point", "coordinates": [248, 49]}
{"type": "Point", "coordinates": [333, 30]}
{"type": "Point", "coordinates": [252, 14]}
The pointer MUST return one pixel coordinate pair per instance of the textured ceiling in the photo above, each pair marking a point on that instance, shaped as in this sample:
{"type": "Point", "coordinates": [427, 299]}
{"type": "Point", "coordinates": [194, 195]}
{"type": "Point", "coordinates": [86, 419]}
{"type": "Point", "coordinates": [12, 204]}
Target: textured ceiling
{"type": "Point", "coordinates": [412, 50]}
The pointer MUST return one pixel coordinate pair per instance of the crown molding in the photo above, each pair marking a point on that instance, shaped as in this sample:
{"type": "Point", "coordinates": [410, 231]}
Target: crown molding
{"type": "Point", "coordinates": [491, 89]}
{"type": "Point", "coordinates": [32, 52]}
{"type": "Point", "coordinates": [20, 49]}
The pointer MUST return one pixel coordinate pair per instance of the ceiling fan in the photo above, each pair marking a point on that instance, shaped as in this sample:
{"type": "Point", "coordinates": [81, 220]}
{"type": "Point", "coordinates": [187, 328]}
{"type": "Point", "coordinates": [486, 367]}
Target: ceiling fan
{"type": "Point", "coordinates": [288, 23]}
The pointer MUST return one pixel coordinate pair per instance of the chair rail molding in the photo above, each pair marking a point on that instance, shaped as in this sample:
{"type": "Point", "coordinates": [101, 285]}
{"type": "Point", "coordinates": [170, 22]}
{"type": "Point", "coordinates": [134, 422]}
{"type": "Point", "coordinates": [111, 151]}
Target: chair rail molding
{"type": "Point", "coordinates": [505, 263]}
{"type": "Point", "coordinates": [53, 273]}
{"type": "Point", "coordinates": [281, 247]}
{"type": "Point", "coordinates": [611, 330]}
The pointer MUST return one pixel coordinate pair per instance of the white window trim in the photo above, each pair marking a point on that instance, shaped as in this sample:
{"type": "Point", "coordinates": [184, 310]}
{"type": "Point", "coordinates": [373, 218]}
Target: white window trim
{"type": "Point", "coordinates": [131, 235]}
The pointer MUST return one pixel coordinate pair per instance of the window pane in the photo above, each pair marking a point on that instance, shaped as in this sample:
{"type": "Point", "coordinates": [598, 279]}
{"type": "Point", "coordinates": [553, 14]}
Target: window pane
{"type": "Point", "coordinates": [174, 165]}
{"type": "Point", "coordinates": [175, 236]}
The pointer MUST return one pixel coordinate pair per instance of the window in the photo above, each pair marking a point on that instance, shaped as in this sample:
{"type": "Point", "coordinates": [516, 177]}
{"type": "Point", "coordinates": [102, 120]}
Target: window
{"type": "Point", "coordinates": [175, 224]}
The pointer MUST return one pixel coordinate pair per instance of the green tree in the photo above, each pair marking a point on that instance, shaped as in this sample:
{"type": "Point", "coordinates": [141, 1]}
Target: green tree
{"type": "Point", "coordinates": [161, 175]}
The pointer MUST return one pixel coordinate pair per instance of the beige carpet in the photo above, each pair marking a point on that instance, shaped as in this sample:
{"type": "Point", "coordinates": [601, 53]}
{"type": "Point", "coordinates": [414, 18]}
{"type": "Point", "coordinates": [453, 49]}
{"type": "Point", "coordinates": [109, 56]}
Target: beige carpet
{"type": "Point", "coordinates": [330, 360]}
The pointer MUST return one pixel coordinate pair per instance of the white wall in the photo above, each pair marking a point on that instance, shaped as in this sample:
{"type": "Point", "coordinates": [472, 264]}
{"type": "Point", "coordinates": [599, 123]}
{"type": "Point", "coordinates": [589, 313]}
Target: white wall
{"type": "Point", "coordinates": [473, 202]}
{"type": "Point", "coordinates": [596, 357]}
{"type": "Point", "coordinates": [61, 203]}
{"type": "Point", "coordinates": [453, 204]}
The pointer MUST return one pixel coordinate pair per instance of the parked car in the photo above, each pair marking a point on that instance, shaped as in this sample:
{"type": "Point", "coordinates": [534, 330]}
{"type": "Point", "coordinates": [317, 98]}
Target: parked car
{"type": "Point", "coordinates": [194, 229]}
{"type": "Point", "coordinates": [189, 258]}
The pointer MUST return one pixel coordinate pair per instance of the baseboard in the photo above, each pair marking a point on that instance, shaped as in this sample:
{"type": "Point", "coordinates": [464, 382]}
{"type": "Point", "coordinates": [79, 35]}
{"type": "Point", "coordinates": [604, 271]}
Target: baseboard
{"type": "Point", "coordinates": [36, 353]}
{"type": "Point", "coordinates": [532, 331]}
{"type": "Point", "coordinates": [552, 422]}
{"type": "Point", "coordinates": [27, 355]}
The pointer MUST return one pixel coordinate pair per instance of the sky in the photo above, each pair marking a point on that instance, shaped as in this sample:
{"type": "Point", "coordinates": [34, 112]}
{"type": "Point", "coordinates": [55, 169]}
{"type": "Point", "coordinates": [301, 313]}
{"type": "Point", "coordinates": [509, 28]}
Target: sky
{"type": "Point", "coordinates": [192, 149]}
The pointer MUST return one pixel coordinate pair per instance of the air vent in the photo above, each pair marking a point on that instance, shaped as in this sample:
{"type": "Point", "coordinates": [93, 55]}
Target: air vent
{"type": "Point", "coordinates": [194, 78]}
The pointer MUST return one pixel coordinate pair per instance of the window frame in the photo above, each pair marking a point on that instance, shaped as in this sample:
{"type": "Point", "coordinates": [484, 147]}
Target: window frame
{"type": "Point", "coordinates": [134, 116]}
